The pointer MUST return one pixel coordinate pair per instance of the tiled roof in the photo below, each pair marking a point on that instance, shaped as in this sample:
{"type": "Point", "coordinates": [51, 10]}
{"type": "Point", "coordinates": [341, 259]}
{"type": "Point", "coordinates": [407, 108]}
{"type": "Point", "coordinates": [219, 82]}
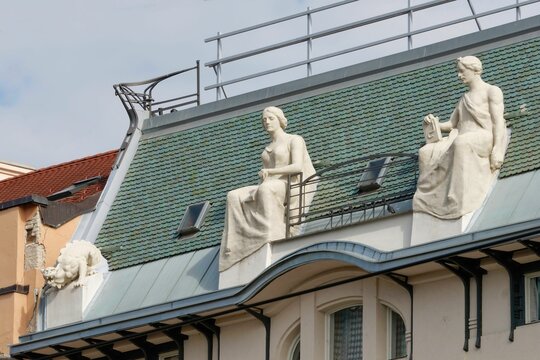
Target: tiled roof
{"type": "Point", "coordinates": [54, 178]}
{"type": "Point", "coordinates": [180, 168]}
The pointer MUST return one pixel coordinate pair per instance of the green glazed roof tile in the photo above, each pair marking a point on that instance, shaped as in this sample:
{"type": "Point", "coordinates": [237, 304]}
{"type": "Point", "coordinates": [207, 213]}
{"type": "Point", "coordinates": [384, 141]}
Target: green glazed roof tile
{"type": "Point", "coordinates": [174, 170]}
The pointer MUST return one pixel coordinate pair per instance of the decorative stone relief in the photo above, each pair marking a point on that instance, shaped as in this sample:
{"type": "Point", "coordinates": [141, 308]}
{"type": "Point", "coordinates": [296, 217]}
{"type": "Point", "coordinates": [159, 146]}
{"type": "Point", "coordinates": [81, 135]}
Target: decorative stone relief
{"type": "Point", "coordinates": [33, 228]}
{"type": "Point", "coordinates": [255, 215]}
{"type": "Point", "coordinates": [34, 251]}
{"type": "Point", "coordinates": [456, 171]}
{"type": "Point", "coordinates": [77, 260]}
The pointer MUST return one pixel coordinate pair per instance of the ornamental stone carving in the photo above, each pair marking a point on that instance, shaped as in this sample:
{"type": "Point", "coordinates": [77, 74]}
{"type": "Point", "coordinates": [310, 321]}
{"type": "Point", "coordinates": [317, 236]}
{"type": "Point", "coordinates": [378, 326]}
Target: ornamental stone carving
{"type": "Point", "coordinates": [255, 215]}
{"type": "Point", "coordinates": [456, 171]}
{"type": "Point", "coordinates": [77, 260]}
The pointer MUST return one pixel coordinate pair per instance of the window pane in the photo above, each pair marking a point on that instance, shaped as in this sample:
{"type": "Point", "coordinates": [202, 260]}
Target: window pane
{"type": "Point", "coordinates": [347, 334]}
{"type": "Point", "coordinates": [296, 352]}
{"type": "Point", "coordinates": [398, 345]}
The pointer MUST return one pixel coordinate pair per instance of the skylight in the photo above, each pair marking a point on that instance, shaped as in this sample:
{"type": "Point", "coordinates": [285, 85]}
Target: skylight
{"type": "Point", "coordinates": [193, 218]}
{"type": "Point", "coordinates": [373, 175]}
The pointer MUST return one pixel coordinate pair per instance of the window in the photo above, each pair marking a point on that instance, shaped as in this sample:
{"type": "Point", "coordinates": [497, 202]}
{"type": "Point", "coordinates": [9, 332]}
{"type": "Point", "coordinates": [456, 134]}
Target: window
{"type": "Point", "coordinates": [295, 350]}
{"type": "Point", "coordinates": [532, 295]}
{"type": "Point", "coordinates": [345, 334]}
{"type": "Point", "coordinates": [373, 175]}
{"type": "Point", "coordinates": [397, 345]}
{"type": "Point", "coordinates": [193, 218]}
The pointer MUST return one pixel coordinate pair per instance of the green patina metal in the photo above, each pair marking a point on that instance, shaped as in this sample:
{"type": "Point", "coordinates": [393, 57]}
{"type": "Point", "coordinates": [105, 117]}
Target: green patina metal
{"type": "Point", "coordinates": [171, 171]}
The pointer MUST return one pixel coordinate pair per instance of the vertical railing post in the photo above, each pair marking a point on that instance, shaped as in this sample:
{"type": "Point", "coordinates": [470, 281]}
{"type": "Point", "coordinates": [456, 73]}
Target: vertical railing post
{"type": "Point", "coordinates": [309, 41]}
{"type": "Point", "coordinates": [198, 82]}
{"type": "Point", "coordinates": [518, 11]}
{"type": "Point", "coordinates": [409, 28]}
{"type": "Point", "coordinates": [218, 66]}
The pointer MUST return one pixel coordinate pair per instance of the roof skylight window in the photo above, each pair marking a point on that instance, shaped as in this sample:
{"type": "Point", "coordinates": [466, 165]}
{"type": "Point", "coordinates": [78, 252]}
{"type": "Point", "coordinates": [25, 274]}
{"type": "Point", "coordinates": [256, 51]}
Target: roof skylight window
{"type": "Point", "coordinates": [193, 218]}
{"type": "Point", "coordinates": [373, 175]}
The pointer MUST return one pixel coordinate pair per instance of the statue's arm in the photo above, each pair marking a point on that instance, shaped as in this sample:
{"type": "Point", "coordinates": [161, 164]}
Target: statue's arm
{"type": "Point", "coordinates": [496, 109]}
{"type": "Point", "coordinates": [451, 123]}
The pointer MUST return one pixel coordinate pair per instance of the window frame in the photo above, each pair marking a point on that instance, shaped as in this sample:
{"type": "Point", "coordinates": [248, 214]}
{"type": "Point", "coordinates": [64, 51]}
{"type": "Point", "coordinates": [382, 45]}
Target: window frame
{"type": "Point", "coordinates": [527, 279]}
{"type": "Point", "coordinates": [295, 344]}
{"type": "Point", "coordinates": [390, 335]}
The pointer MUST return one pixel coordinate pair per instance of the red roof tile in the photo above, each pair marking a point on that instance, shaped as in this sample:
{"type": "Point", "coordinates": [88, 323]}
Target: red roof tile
{"type": "Point", "coordinates": [54, 178]}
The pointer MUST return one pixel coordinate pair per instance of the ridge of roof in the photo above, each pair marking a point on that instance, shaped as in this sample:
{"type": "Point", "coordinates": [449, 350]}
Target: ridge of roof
{"type": "Point", "coordinates": [51, 179]}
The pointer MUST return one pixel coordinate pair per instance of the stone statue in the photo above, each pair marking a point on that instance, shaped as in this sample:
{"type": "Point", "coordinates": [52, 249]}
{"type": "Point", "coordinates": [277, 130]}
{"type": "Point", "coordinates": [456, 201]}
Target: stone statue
{"type": "Point", "coordinates": [77, 260]}
{"type": "Point", "coordinates": [456, 171]}
{"type": "Point", "coordinates": [255, 214]}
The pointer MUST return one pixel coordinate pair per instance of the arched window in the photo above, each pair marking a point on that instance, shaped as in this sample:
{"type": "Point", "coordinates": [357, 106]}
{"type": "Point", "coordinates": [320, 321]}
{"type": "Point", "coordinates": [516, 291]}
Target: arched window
{"type": "Point", "coordinates": [295, 350]}
{"type": "Point", "coordinates": [397, 344]}
{"type": "Point", "coordinates": [346, 334]}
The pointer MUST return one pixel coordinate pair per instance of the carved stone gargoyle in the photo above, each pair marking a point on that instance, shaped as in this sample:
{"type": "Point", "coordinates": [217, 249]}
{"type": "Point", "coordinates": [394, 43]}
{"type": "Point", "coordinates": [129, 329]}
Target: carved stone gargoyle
{"type": "Point", "coordinates": [77, 260]}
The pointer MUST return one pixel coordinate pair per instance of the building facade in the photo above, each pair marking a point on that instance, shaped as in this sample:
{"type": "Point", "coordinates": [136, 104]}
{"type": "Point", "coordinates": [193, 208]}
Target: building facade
{"type": "Point", "coordinates": [39, 213]}
{"type": "Point", "coordinates": [359, 275]}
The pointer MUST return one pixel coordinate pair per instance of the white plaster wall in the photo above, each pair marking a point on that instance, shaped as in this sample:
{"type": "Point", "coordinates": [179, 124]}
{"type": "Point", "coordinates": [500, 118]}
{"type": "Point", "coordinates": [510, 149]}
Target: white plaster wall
{"type": "Point", "coordinates": [244, 340]}
{"type": "Point", "coordinates": [439, 319]}
{"type": "Point", "coordinates": [195, 347]}
{"type": "Point", "coordinates": [382, 234]}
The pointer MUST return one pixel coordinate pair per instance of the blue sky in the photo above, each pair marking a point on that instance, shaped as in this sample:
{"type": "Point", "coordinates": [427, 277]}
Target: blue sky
{"type": "Point", "coordinates": [60, 58]}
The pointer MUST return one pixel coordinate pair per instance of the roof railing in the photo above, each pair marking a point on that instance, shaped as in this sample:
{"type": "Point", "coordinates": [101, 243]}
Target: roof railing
{"type": "Point", "coordinates": [308, 38]}
{"type": "Point", "coordinates": [352, 191]}
{"type": "Point", "coordinates": [143, 99]}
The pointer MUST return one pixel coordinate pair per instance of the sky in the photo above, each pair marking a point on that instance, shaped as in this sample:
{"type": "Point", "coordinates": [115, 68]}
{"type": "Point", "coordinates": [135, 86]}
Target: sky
{"type": "Point", "coordinates": [60, 58]}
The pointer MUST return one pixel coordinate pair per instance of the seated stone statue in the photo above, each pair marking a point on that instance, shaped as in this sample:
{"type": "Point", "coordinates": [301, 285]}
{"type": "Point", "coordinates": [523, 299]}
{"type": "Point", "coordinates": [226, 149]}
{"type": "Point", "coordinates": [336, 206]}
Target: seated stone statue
{"type": "Point", "coordinates": [77, 260]}
{"type": "Point", "coordinates": [255, 214]}
{"type": "Point", "coordinates": [456, 171]}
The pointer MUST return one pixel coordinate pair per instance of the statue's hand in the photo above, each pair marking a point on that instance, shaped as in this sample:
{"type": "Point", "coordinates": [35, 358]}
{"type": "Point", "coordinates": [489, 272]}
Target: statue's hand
{"type": "Point", "coordinates": [430, 118]}
{"type": "Point", "coordinates": [263, 174]}
{"type": "Point", "coordinates": [496, 160]}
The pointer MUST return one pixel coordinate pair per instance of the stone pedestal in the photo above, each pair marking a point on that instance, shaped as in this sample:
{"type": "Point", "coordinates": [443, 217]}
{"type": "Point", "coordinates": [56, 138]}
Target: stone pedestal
{"type": "Point", "coordinates": [427, 228]}
{"type": "Point", "coordinates": [246, 270]}
{"type": "Point", "coordinates": [67, 305]}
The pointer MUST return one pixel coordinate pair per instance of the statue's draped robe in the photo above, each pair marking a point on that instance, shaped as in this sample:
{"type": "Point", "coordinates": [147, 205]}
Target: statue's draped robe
{"type": "Point", "coordinates": [455, 173]}
{"type": "Point", "coordinates": [250, 221]}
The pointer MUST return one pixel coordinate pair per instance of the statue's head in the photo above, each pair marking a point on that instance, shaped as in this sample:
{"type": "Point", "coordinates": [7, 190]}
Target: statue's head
{"type": "Point", "coordinates": [472, 63]}
{"type": "Point", "coordinates": [54, 276]}
{"type": "Point", "coordinates": [277, 112]}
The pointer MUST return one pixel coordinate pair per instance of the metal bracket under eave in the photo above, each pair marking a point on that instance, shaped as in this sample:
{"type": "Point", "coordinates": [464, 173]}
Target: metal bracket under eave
{"type": "Point", "coordinates": [515, 274]}
{"type": "Point", "coordinates": [209, 329]}
{"type": "Point", "coordinates": [148, 349]}
{"type": "Point", "coordinates": [402, 281]}
{"type": "Point", "coordinates": [106, 349]}
{"type": "Point", "coordinates": [75, 356]}
{"type": "Point", "coordinates": [267, 324]}
{"type": "Point", "coordinates": [465, 269]}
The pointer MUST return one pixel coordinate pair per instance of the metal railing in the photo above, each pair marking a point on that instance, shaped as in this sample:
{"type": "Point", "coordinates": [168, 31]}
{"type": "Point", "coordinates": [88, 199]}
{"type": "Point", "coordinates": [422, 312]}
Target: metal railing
{"type": "Point", "coordinates": [337, 199]}
{"type": "Point", "coordinates": [143, 99]}
{"type": "Point", "coordinates": [308, 38]}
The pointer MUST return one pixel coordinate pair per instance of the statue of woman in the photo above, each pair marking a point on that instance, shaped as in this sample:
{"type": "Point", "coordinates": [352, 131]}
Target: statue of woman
{"type": "Point", "coordinates": [255, 214]}
{"type": "Point", "coordinates": [456, 172]}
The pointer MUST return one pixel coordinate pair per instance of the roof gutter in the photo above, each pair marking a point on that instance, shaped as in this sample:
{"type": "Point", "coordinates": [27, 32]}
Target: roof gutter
{"type": "Point", "coordinates": [30, 199]}
{"type": "Point", "coordinates": [381, 262]}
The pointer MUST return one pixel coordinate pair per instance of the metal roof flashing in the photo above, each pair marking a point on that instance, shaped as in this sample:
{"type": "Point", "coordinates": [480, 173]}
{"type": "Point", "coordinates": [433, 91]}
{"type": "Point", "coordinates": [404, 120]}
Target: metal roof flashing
{"type": "Point", "coordinates": [368, 259]}
{"type": "Point", "coordinates": [343, 77]}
